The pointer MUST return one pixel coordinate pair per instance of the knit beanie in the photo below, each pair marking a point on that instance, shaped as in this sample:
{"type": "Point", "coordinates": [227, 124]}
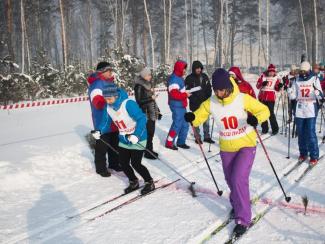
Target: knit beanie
{"type": "Point", "coordinates": [221, 80]}
{"type": "Point", "coordinates": [145, 72]}
{"type": "Point", "coordinates": [305, 66]}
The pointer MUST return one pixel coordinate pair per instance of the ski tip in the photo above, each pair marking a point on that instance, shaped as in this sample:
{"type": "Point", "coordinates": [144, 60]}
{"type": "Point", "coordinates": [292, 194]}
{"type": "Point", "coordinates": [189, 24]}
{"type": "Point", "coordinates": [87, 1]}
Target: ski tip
{"type": "Point", "coordinates": [220, 193]}
{"type": "Point", "coordinates": [192, 190]}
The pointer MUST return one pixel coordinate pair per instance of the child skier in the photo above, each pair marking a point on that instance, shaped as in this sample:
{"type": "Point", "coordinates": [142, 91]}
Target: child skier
{"type": "Point", "coordinates": [177, 99]}
{"type": "Point", "coordinates": [236, 115]}
{"type": "Point", "coordinates": [131, 122]}
{"type": "Point", "coordinates": [244, 86]}
{"type": "Point", "coordinates": [307, 91]}
{"type": "Point", "coordinates": [268, 84]}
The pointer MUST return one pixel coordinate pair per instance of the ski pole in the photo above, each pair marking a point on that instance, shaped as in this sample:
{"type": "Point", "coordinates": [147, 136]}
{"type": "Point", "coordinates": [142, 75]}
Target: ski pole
{"type": "Point", "coordinates": [211, 134]}
{"type": "Point", "coordinates": [277, 107]}
{"type": "Point", "coordinates": [321, 120]}
{"type": "Point", "coordinates": [289, 133]}
{"type": "Point", "coordinates": [109, 145]}
{"type": "Point", "coordinates": [191, 187]}
{"type": "Point", "coordinates": [287, 198]}
{"type": "Point", "coordinates": [206, 161]}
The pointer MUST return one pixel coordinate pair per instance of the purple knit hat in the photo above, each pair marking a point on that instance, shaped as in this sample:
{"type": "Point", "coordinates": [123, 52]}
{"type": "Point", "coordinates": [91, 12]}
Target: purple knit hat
{"type": "Point", "coordinates": [221, 80]}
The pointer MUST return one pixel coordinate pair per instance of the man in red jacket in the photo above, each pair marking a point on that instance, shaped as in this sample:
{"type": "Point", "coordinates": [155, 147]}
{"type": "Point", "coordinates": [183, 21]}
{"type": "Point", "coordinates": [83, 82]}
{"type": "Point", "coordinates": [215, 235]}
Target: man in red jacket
{"type": "Point", "coordinates": [269, 84]}
{"type": "Point", "coordinates": [244, 86]}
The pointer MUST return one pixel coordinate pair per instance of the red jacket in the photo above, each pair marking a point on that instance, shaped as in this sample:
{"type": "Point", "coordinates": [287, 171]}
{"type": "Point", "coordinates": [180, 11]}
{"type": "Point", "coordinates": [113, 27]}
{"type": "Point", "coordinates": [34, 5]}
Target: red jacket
{"type": "Point", "coordinates": [244, 86]}
{"type": "Point", "coordinates": [267, 93]}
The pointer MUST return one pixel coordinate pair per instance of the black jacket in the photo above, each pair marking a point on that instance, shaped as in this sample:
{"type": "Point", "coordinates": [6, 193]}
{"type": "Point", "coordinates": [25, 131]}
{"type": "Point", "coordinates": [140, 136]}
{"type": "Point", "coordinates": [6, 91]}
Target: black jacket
{"type": "Point", "coordinates": [143, 95]}
{"type": "Point", "coordinates": [194, 80]}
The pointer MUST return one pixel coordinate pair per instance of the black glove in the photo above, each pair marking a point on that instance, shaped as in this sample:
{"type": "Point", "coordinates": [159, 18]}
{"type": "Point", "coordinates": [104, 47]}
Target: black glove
{"type": "Point", "coordinates": [189, 117]}
{"type": "Point", "coordinates": [252, 120]}
{"type": "Point", "coordinates": [280, 85]}
{"type": "Point", "coordinates": [285, 87]}
{"type": "Point", "coordinates": [159, 116]}
{"type": "Point", "coordinates": [264, 83]}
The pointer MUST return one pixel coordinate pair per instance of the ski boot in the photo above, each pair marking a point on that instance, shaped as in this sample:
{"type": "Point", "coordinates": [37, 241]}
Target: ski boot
{"type": "Point", "coordinates": [184, 146]}
{"type": "Point", "coordinates": [133, 185]}
{"type": "Point", "coordinates": [209, 140]}
{"type": "Point", "coordinates": [313, 162]}
{"type": "Point", "coordinates": [148, 187]}
{"type": "Point", "coordinates": [302, 159]}
{"type": "Point", "coordinates": [239, 230]}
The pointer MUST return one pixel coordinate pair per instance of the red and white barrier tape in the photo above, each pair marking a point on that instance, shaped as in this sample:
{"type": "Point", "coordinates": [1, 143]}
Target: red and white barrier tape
{"type": "Point", "coordinates": [31, 104]}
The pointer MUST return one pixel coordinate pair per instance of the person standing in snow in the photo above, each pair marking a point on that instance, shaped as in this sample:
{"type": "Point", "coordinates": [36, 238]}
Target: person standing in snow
{"type": "Point", "coordinates": [269, 84]}
{"type": "Point", "coordinates": [243, 85]}
{"type": "Point", "coordinates": [236, 115]}
{"type": "Point", "coordinates": [131, 122]}
{"type": "Point", "coordinates": [288, 80]}
{"type": "Point", "coordinates": [307, 91]}
{"type": "Point", "coordinates": [199, 79]}
{"type": "Point", "coordinates": [317, 72]}
{"type": "Point", "coordinates": [96, 82]}
{"type": "Point", "coordinates": [177, 100]}
{"type": "Point", "coordinates": [145, 96]}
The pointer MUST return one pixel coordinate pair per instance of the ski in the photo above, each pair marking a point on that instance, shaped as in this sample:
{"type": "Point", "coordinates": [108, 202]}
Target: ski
{"type": "Point", "coordinates": [233, 238]}
{"type": "Point", "coordinates": [131, 201]}
{"type": "Point", "coordinates": [224, 224]}
{"type": "Point", "coordinates": [87, 210]}
{"type": "Point", "coordinates": [295, 166]}
{"type": "Point", "coordinates": [308, 169]}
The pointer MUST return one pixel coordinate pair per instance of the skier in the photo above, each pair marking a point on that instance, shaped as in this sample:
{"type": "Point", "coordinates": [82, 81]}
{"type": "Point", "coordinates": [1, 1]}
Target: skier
{"type": "Point", "coordinates": [131, 122]}
{"type": "Point", "coordinates": [243, 85]}
{"type": "Point", "coordinates": [96, 82]}
{"type": "Point", "coordinates": [199, 79]}
{"type": "Point", "coordinates": [268, 83]}
{"type": "Point", "coordinates": [146, 98]}
{"type": "Point", "coordinates": [236, 115]}
{"type": "Point", "coordinates": [307, 91]}
{"type": "Point", "coordinates": [317, 72]}
{"type": "Point", "coordinates": [288, 80]}
{"type": "Point", "coordinates": [177, 99]}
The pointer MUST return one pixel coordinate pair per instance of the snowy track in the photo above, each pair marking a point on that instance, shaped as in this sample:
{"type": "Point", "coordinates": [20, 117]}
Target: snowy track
{"type": "Point", "coordinates": [46, 174]}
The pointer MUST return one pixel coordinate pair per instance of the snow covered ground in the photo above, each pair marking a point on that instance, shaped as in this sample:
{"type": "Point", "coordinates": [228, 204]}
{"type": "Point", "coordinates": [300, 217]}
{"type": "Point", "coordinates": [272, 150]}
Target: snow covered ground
{"type": "Point", "coordinates": [47, 175]}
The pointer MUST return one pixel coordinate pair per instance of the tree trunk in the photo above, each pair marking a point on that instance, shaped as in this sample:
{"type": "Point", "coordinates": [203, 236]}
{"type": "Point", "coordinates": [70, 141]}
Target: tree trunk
{"type": "Point", "coordinates": [135, 21]}
{"type": "Point", "coordinates": [204, 33]}
{"type": "Point", "coordinates": [150, 33]}
{"type": "Point", "coordinates": [169, 30]}
{"type": "Point", "coordinates": [267, 61]}
{"type": "Point", "coordinates": [233, 32]}
{"type": "Point", "coordinates": [304, 29]}
{"type": "Point", "coordinates": [250, 48]}
{"type": "Point", "coordinates": [186, 33]}
{"type": "Point", "coordinates": [221, 35]}
{"type": "Point", "coordinates": [9, 16]}
{"type": "Point", "coordinates": [259, 34]}
{"type": "Point", "coordinates": [90, 33]}
{"type": "Point", "coordinates": [165, 34]}
{"type": "Point", "coordinates": [144, 42]}
{"type": "Point", "coordinates": [22, 22]}
{"type": "Point", "coordinates": [191, 32]}
{"type": "Point", "coordinates": [315, 58]}
{"type": "Point", "coordinates": [63, 36]}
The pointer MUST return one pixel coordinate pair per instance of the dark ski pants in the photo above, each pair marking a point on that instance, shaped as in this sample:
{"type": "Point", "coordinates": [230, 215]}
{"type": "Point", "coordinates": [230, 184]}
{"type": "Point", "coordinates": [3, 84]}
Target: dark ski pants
{"type": "Point", "coordinates": [273, 122]}
{"type": "Point", "coordinates": [101, 149]}
{"type": "Point", "coordinates": [127, 156]}
{"type": "Point", "coordinates": [307, 138]}
{"type": "Point", "coordinates": [151, 125]}
{"type": "Point", "coordinates": [237, 168]}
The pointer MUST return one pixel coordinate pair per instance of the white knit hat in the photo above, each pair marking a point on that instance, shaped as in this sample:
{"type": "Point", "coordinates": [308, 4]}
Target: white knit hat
{"type": "Point", "coordinates": [305, 66]}
{"type": "Point", "coordinates": [146, 71]}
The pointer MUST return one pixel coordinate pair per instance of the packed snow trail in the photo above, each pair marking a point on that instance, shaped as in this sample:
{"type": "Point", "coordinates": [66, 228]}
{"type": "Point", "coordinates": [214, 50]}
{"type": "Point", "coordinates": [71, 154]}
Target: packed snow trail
{"type": "Point", "coordinates": [47, 173]}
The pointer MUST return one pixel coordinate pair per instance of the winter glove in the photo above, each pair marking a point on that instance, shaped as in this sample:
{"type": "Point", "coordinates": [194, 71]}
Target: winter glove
{"type": "Point", "coordinates": [252, 120]}
{"type": "Point", "coordinates": [264, 83]}
{"type": "Point", "coordinates": [133, 139]}
{"type": "Point", "coordinates": [189, 117]}
{"type": "Point", "coordinates": [96, 134]}
{"type": "Point", "coordinates": [280, 85]}
{"type": "Point", "coordinates": [159, 116]}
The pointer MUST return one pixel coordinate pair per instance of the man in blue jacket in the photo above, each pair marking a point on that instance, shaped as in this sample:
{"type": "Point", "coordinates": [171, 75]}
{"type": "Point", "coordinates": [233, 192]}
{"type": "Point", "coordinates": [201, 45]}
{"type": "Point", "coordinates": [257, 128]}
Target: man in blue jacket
{"type": "Point", "coordinates": [96, 83]}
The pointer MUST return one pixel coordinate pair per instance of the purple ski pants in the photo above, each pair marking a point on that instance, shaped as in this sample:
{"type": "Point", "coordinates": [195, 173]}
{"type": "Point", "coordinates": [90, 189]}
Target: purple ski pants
{"type": "Point", "coordinates": [237, 167]}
